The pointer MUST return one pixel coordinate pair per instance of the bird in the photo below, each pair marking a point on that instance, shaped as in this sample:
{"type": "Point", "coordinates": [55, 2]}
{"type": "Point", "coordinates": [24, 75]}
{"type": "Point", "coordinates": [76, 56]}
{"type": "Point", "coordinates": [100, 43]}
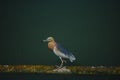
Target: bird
{"type": "Point", "coordinates": [59, 50]}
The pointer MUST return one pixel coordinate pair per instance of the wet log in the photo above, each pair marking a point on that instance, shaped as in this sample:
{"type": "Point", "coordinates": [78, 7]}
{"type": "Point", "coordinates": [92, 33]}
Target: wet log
{"type": "Point", "coordinates": [42, 69]}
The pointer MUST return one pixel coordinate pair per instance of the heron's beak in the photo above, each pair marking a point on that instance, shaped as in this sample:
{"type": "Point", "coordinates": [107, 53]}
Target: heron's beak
{"type": "Point", "coordinates": [45, 40]}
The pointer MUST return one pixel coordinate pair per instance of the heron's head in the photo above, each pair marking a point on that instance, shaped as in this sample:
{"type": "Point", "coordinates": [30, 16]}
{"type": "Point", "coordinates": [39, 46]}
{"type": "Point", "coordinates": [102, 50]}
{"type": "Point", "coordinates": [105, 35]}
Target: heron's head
{"type": "Point", "coordinates": [49, 39]}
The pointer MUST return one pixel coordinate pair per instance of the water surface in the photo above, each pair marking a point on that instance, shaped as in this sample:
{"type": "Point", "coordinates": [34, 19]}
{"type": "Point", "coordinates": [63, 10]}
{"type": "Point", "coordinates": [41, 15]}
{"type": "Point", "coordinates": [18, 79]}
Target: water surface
{"type": "Point", "coordinates": [56, 77]}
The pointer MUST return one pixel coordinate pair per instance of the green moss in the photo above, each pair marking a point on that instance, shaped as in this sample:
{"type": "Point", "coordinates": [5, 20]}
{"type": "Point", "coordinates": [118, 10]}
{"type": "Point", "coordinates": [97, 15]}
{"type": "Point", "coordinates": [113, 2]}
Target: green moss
{"type": "Point", "coordinates": [84, 70]}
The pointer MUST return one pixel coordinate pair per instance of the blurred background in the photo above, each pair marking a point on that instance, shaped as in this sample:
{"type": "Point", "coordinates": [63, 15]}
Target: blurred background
{"type": "Point", "coordinates": [88, 28]}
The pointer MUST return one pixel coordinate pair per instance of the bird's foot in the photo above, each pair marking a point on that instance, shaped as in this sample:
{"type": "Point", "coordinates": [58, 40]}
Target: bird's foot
{"type": "Point", "coordinates": [62, 69]}
{"type": "Point", "coordinates": [58, 67]}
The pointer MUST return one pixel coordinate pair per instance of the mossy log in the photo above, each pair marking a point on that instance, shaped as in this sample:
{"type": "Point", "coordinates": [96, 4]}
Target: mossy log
{"type": "Point", "coordinates": [41, 69]}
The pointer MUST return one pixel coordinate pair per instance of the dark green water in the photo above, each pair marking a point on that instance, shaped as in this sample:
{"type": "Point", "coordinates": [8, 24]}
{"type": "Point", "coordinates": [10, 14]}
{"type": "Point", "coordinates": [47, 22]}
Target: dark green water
{"type": "Point", "coordinates": [88, 28]}
{"type": "Point", "coordinates": [54, 77]}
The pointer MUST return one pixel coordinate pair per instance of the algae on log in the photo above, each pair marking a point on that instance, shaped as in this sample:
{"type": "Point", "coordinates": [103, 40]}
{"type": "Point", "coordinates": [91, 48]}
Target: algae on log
{"type": "Point", "coordinates": [81, 70]}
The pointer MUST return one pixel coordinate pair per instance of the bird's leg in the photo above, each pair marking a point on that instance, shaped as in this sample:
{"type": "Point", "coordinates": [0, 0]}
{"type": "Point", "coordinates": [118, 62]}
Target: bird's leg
{"type": "Point", "coordinates": [61, 63]}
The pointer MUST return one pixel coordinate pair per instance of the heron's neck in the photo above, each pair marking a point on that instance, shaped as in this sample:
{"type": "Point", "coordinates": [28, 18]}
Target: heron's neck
{"type": "Point", "coordinates": [51, 45]}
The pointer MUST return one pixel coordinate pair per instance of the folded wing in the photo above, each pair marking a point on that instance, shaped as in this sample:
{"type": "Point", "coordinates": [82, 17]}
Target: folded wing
{"type": "Point", "coordinates": [66, 52]}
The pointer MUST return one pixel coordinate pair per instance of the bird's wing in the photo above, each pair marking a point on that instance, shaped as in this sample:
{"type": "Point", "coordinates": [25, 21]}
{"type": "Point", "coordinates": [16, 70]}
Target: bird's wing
{"type": "Point", "coordinates": [66, 52]}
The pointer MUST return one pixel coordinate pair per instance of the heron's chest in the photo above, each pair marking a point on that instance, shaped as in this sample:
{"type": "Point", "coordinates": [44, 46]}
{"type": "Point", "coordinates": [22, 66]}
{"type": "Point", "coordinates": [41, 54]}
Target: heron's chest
{"type": "Point", "coordinates": [51, 45]}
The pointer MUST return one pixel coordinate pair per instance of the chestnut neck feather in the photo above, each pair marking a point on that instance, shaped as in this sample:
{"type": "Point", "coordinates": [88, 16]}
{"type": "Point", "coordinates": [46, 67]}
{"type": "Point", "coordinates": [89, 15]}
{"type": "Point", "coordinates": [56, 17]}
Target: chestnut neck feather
{"type": "Point", "coordinates": [51, 45]}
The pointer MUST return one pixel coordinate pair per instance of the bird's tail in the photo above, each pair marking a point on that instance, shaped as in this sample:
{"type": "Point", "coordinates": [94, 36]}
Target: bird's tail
{"type": "Point", "coordinates": [72, 58]}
